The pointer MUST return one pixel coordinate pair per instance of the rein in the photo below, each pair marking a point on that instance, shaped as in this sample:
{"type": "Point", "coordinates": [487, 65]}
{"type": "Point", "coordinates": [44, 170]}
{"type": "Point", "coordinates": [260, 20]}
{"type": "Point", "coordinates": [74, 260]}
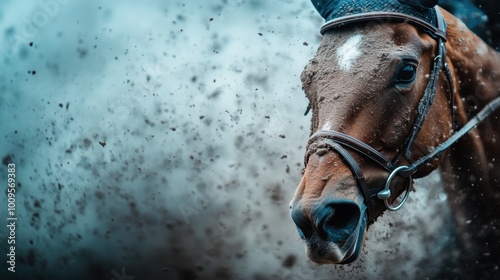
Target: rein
{"type": "Point", "coordinates": [337, 141]}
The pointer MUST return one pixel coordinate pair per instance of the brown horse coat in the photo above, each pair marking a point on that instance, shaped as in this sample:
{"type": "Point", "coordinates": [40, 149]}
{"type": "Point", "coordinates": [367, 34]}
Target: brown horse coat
{"type": "Point", "coordinates": [349, 86]}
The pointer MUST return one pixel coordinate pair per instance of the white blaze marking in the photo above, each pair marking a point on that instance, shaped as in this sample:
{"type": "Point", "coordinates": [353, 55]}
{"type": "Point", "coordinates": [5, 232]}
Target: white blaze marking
{"type": "Point", "coordinates": [326, 126]}
{"type": "Point", "coordinates": [349, 52]}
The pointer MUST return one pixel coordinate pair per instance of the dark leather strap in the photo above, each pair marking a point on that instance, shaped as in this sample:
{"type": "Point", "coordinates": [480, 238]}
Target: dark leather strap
{"type": "Point", "coordinates": [449, 77]}
{"type": "Point", "coordinates": [481, 116]}
{"type": "Point", "coordinates": [352, 143]}
{"type": "Point", "coordinates": [423, 107]}
{"type": "Point", "coordinates": [356, 172]}
{"type": "Point", "coordinates": [337, 141]}
{"type": "Point", "coordinates": [430, 91]}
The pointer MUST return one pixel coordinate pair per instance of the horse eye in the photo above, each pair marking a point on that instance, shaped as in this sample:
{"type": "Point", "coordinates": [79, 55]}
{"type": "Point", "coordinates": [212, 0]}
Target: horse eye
{"type": "Point", "coordinates": [407, 74]}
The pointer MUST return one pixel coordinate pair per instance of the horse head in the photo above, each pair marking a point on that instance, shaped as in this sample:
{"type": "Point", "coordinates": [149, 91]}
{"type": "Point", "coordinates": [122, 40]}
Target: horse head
{"type": "Point", "coordinates": [370, 87]}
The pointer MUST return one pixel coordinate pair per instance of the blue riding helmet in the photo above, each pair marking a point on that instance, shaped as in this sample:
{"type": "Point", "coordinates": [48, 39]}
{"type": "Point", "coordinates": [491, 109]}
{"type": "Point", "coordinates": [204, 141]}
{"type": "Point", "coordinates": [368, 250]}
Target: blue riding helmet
{"type": "Point", "coordinates": [332, 9]}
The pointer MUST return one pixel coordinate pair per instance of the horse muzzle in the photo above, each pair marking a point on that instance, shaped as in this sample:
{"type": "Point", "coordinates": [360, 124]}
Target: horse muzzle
{"type": "Point", "coordinates": [335, 202]}
{"type": "Point", "coordinates": [333, 230]}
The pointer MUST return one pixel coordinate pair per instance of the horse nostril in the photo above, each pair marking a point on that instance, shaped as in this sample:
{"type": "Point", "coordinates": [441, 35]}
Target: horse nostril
{"type": "Point", "coordinates": [334, 221]}
{"type": "Point", "coordinates": [342, 216]}
{"type": "Point", "coordinates": [340, 219]}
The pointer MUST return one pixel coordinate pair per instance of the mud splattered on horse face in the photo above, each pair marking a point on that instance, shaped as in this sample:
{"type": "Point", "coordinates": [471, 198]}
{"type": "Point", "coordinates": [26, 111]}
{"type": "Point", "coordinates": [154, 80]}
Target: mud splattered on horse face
{"type": "Point", "coordinates": [366, 83]}
{"type": "Point", "coordinates": [373, 111]}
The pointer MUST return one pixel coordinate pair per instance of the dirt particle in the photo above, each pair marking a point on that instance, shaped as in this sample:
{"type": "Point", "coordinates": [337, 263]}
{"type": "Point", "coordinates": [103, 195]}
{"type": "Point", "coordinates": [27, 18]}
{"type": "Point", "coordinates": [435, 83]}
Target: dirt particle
{"type": "Point", "coordinates": [102, 143]}
{"type": "Point", "coordinates": [86, 142]}
{"type": "Point", "coordinates": [289, 261]}
{"type": "Point", "coordinates": [99, 195]}
{"type": "Point", "coordinates": [31, 257]}
{"type": "Point", "coordinates": [215, 94]}
{"type": "Point", "coordinates": [7, 160]}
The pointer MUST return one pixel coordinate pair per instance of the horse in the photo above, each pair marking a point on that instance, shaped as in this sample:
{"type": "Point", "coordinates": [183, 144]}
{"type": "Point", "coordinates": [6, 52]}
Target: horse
{"type": "Point", "coordinates": [398, 89]}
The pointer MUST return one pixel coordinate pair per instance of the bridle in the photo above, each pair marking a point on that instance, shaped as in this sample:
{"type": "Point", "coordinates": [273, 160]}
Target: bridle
{"type": "Point", "coordinates": [340, 142]}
